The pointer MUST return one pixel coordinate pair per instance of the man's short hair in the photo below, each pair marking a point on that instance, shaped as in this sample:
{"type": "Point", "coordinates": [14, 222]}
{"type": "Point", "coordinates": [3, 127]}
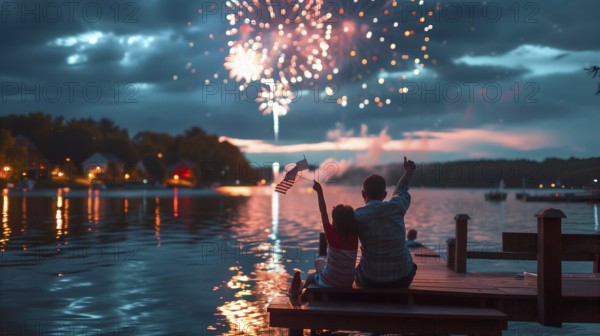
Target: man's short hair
{"type": "Point", "coordinates": [374, 187]}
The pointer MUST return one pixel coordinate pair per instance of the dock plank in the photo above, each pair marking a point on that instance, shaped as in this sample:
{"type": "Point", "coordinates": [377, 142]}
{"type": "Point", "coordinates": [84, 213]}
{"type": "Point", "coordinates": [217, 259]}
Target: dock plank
{"type": "Point", "coordinates": [377, 317]}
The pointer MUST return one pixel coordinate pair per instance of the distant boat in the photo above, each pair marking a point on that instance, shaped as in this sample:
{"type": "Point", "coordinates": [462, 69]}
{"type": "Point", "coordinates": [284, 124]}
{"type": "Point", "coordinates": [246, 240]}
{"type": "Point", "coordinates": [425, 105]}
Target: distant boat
{"type": "Point", "coordinates": [498, 194]}
{"type": "Point", "coordinates": [495, 196]}
{"type": "Point", "coordinates": [521, 195]}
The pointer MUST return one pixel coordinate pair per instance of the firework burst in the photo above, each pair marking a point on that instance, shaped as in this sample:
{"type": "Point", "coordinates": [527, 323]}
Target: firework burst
{"type": "Point", "coordinates": [244, 63]}
{"type": "Point", "coordinates": [373, 44]}
{"type": "Point", "coordinates": [292, 38]}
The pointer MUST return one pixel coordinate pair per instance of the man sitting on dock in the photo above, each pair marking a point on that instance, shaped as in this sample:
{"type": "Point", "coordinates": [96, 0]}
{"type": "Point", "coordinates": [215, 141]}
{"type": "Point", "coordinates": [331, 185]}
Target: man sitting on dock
{"type": "Point", "coordinates": [386, 261]}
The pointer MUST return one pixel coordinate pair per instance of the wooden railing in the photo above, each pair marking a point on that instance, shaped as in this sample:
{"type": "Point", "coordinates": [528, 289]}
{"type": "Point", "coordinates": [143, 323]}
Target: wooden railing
{"type": "Point", "coordinates": [548, 246]}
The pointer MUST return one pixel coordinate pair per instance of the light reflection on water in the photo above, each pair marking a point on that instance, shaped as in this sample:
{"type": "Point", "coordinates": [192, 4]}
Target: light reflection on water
{"type": "Point", "coordinates": [193, 262]}
{"type": "Point", "coordinates": [596, 222]}
{"type": "Point", "coordinates": [6, 231]}
{"type": "Point", "coordinates": [246, 314]}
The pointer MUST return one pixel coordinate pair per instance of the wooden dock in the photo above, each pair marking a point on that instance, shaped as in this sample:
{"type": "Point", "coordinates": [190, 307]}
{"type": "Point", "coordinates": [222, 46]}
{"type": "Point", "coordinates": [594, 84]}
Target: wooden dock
{"type": "Point", "coordinates": [435, 284]}
{"type": "Point", "coordinates": [550, 298]}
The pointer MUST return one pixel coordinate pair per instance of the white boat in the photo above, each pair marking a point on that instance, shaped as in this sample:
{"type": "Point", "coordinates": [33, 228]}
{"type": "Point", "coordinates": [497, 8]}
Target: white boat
{"type": "Point", "coordinates": [498, 194]}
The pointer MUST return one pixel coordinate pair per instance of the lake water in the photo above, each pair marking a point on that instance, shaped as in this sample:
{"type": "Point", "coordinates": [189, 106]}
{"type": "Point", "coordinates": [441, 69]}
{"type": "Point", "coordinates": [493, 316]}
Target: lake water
{"type": "Point", "coordinates": [193, 262]}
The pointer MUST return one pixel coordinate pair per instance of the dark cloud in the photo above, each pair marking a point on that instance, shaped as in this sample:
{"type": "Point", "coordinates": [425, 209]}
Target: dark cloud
{"type": "Point", "coordinates": [159, 64]}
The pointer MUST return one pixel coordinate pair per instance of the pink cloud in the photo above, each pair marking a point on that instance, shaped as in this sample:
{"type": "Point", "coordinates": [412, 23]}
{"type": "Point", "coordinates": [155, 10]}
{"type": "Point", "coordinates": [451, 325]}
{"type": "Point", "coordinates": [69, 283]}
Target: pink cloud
{"type": "Point", "coordinates": [371, 147]}
{"type": "Point", "coordinates": [472, 139]}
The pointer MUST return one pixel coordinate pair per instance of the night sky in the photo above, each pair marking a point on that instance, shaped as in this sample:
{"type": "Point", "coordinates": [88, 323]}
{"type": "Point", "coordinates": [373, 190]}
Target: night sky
{"type": "Point", "coordinates": [145, 65]}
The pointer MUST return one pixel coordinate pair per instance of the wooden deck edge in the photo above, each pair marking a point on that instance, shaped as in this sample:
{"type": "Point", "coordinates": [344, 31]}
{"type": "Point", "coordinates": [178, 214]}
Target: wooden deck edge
{"type": "Point", "coordinates": [363, 317]}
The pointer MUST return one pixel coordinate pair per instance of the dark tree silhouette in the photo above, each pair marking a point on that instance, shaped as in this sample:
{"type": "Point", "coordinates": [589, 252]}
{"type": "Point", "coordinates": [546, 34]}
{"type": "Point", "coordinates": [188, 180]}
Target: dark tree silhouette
{"type": "Point", "coordinates": [594, 71]}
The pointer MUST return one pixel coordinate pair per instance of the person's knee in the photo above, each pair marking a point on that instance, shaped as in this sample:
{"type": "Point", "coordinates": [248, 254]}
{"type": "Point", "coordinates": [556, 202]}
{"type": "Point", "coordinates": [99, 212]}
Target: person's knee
{"type": "Point", "coordinates": [320, 263]}
{"type": "Point", "coordinates": [310, 279]}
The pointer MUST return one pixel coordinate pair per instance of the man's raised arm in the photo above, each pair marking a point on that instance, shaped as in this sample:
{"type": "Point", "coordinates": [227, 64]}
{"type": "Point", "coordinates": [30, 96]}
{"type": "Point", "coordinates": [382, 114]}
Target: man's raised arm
{"type": "Point", "coordinates": [409, 169]}
{"type": "Point", "coordinates": [401, 196]}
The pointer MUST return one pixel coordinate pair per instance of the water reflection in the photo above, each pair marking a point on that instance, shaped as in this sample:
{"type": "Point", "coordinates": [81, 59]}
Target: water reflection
{"type": "Point", "coordinates": [62, 215]}
{"type": "Point", "coordinates": [89, 205]}
{"type": "Point", "coordinates": [93, 206]}
{"type": "Point", "coordinates": [274, 231]}
{"type": "Point", "coordinates": [501, 213]}
{"type": "Point", "coordinates": [175, 203]}
{"type": "Point", "coordinates": [24, 214]}
{"type": "Point", "coordinates": [157, 221]}
{"type": "Point", "coordinates": [596, 223]}
{"type": "Point", "coordinates": [6, 231]}
{"type": "Point", "coordinates": [96, 206]}
{"type": "Point", "coordinates": [247, 314]}
{"type": "Point", "coordinates": [143, 208]}
{"type": "Point", "coordinates": [117, 275]}
{"type": "Point", "coordinates": [271, 276]}
{"type": "Point", "coordinates": [66, 217]}
{"type": "Point", "coordinates": [58, 216]}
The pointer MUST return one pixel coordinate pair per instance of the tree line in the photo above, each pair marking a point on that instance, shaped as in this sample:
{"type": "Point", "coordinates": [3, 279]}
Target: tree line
{"type": "Point", "coordinates": [550, 173]}
{"type": "Point", "coordinates": [75, 140]}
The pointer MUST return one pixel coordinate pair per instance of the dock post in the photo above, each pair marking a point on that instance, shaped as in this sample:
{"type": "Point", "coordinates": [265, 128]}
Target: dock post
{"type": "Point", "coordinates": [549, 267]}
{"type": "Point", "coordinates": [460, 254]}
{"type": "Point", "coordinates": [450, 252]}
{"type": "Point", "coordinates": [322, 244]}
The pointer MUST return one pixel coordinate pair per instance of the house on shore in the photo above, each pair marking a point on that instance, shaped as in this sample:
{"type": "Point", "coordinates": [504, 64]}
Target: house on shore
{"type": "Point", "coordinates": [103, 165]}
{"type": "Point", "coordinates": [182, 173]}
{"type": "Point", "coordinates": [26, 162]}
{"type": "Point", "coordinates": [35, 161]}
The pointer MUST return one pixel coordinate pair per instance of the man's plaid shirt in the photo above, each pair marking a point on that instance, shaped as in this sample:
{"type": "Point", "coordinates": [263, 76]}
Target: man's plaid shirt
{"type": "Point", "coordinates": [385, 255]}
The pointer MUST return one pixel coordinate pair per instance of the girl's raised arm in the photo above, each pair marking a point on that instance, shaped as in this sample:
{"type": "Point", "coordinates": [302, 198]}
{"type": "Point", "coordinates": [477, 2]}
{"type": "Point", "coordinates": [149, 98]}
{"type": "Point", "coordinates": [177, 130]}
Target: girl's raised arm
{"type": "Point", "coordinates": [322, 206]}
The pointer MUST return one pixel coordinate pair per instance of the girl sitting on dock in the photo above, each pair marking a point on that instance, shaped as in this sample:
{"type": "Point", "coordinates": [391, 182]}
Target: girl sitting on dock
{"type": "Point", "coordinates": [342, 246]}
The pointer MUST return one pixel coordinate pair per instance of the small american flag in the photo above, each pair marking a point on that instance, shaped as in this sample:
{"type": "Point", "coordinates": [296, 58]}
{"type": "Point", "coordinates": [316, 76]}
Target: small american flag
{"type": "Point", "coordinates": [290, 177]}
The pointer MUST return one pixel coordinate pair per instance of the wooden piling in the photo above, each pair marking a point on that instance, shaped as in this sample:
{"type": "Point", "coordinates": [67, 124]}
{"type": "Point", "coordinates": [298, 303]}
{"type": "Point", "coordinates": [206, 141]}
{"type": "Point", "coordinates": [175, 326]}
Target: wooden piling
{"type": "Point", "coordinates": [450, 252]}
{"type": "Point", "coordinates": [460, 254]}
{"type": "Point", "coordinates": [549, 259]}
